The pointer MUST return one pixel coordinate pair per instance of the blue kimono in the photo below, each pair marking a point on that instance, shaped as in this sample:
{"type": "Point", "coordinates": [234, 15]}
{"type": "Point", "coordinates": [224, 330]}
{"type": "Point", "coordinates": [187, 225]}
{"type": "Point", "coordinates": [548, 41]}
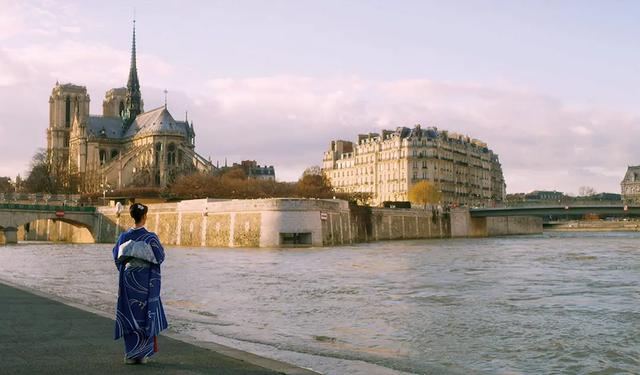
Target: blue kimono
{"type": "Point", "coordinates": [139, 313]}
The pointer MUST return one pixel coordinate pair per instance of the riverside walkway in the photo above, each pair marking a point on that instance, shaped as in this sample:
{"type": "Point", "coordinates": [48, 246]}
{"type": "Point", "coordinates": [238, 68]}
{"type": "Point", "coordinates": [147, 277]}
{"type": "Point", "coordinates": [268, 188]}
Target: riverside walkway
{"type": "Point", "coordinates": [39, 335]}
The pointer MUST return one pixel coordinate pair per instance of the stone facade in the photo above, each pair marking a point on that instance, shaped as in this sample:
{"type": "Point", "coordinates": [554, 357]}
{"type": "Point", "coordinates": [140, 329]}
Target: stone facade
{"type": "Point", "coordinates": [387, 165]}
{"type": "Point", "coordinates": [123, 147]}
{"type": "Point", "coordinates": [631, 185]}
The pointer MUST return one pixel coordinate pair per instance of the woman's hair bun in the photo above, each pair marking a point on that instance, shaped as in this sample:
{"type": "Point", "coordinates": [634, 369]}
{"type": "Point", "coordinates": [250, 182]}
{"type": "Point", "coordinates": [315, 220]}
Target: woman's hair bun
{"type": "Point", "coordinates": [137, 211]}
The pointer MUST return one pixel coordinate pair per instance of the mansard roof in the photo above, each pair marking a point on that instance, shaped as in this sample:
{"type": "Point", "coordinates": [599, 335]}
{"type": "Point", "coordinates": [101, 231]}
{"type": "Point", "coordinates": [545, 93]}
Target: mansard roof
{"type": "Point", "coordinates": [157, 121]}
{"type": "Point", "coordinates": [633, 174]}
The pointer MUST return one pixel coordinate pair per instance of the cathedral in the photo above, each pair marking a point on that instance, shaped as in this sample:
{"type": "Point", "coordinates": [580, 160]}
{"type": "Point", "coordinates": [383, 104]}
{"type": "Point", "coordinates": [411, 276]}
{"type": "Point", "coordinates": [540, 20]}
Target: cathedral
{"type": "Point", "coordinates": [126, 147]}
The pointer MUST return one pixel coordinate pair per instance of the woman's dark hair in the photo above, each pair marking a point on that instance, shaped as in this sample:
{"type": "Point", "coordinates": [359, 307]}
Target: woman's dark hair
{"type": "Point", "coordinates": [137, 211]}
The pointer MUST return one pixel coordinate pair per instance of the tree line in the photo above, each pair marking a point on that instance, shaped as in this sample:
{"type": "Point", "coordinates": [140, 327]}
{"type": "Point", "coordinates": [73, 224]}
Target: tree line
{"type": "Point", "coordinates": [49, 177]}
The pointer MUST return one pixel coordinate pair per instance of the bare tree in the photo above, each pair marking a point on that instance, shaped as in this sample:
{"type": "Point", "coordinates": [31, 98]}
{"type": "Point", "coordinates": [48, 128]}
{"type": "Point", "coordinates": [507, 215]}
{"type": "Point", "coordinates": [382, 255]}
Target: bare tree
{"type": "Point", "coordinates": [586, 191]}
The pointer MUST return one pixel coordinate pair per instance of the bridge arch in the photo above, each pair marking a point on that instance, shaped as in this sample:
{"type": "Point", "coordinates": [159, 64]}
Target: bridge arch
{"type": "Point", "coordinates": [47, 222]}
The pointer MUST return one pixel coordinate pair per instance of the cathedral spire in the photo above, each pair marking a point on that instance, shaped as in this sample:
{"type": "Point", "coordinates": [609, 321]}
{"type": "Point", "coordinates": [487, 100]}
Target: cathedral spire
{"type": "Point", "coordinates": [134, 97]}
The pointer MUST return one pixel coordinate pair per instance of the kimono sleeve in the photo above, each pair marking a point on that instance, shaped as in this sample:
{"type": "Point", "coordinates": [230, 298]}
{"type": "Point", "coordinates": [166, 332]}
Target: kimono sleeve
{"type": "Point", "coordinates": [158, 250]}
{"type": "Point", "coordinates": [115, 251]}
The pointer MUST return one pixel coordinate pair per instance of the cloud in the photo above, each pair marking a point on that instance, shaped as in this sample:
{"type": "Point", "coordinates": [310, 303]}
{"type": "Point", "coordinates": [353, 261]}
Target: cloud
{"type": "Point", "coordinates": [542, 142]}
{"type": "Point", "coordinates": [289, 120]}
{"type": "Point", "coordinates": [39, 18]}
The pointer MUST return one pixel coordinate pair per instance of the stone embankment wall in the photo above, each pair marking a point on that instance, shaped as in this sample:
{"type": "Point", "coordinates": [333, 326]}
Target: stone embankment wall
{"type": "Point", "coordinates": [239, 223]}
{"type": "Point", "coordinates": [463, 225]}
{"type": "Point", "coordinates": [402, 224]}
{"type": "Point", "coordinates": [280, 222]}
{"type": "Point", "coordinates": [267, 223]}
{"type": "Point", "coordinates": [513, 225]}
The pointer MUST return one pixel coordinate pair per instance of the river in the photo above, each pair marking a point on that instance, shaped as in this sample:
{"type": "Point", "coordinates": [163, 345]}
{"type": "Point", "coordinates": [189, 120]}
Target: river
{"type": "Point", "coordinates": [554, 303]}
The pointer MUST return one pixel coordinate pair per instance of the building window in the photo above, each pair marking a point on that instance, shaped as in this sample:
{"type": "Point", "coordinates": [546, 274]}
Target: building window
{"type": "Point", "coordinates": [180, 156]}
{"type": "Point", "coordinates": [67, 112]}
{"type": "Point", "coordinates": [121, 109]}
{"type": "Point", "coordinates": [171, 154]}
{"type": "Point", "coordinates": [66, 141]}
{"type": "Point", "coordinates": [103, 157]}
{"type": "Point", "coordinates": [114, 154]}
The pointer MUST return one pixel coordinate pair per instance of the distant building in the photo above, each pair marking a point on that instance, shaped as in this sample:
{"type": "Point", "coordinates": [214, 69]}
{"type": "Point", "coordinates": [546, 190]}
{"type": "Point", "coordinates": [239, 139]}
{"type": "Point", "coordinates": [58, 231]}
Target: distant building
{"type": "Point", "coordinates": [250, 168]}
{"type": "Point", "coordinates": [544, 195]}
{"type": "Point", "coordinates": [631, 185]}
{"type": "Point", "coordinates": [387, 165]}
{"type": "Point", "coordinates": [255, 171]}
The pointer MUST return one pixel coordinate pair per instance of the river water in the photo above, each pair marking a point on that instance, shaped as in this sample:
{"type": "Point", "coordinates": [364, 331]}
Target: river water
{"type": "Point", "coordinates": [554, 303]}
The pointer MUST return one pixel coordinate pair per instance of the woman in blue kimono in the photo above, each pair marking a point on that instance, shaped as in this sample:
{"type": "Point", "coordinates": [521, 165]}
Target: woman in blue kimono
{"type": "Point", "coordinates": [139, 313]}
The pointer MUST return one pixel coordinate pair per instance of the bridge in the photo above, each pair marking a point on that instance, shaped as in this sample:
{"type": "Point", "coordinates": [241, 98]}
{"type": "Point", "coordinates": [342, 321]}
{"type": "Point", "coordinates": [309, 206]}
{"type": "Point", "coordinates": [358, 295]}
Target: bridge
{"type": "Point", "coordinates": [13, 215]}
{"type": "Point", "coordinates": [560, 211]}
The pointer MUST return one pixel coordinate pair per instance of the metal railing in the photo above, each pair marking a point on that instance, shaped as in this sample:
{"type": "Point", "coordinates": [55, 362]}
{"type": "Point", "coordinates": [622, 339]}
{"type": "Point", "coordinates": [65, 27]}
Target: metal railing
{"type": "Point", "coordinates": [45, 207]}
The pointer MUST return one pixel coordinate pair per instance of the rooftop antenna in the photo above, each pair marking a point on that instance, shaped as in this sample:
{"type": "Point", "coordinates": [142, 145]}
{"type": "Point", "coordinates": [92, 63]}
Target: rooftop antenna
{"type": "Point", "coordinates": [165, 98]}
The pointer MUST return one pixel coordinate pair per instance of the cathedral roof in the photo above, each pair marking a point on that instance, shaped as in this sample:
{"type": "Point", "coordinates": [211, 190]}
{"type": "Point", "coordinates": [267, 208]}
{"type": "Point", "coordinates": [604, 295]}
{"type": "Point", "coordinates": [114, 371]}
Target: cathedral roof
{"type": "Point", "coordinates": [107, 127]}
{"type": "Point", "coordinates": [157, 121]}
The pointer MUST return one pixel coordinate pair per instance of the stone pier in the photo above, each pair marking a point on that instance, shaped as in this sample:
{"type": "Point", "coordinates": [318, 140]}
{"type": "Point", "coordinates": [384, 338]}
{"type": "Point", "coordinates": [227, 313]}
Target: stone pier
{"type": "Point", "coordinates": [9, 235]}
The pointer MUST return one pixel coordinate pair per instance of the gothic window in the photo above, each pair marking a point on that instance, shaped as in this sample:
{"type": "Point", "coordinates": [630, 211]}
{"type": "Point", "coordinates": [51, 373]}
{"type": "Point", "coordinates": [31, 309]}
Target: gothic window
{"type": "Point", "coordinates": [67, 112]}
{"type": "Point", "coordinates": [180, 156]}
{"type": "Point", "coordinates": [114, 154]}
{"type": "Point", "coordinates": [103, 157]}
{"type": "Point", "coordinates": [171, 154]}
{"type": "Point", "coordinates": [121, 109]}
{"type": "Point", "coordinates": [158, 151]}
{"type": "Point", "coordinates": [66, 140]}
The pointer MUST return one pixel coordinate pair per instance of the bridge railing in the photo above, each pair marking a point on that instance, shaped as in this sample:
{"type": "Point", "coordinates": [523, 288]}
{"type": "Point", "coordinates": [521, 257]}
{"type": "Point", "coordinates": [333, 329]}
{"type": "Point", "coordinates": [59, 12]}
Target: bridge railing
{"type": "Point", "coordinates": [46, 207]}
{"type": "Point", "coordinates": [40, 198]}
{"type": "Point", "coordinates": [580, 203]}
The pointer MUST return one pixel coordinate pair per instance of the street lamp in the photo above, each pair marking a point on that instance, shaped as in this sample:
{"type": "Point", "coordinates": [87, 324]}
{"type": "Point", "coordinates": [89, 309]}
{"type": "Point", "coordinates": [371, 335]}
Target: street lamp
{"type": "Point", "coordinates": [105, 186]}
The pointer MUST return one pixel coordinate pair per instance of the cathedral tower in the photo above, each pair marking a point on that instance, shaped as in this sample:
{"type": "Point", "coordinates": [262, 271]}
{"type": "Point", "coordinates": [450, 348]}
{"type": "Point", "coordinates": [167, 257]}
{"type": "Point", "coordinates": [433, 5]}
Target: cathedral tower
{"type": "Point", "coordinates": [66, 101]}
{"type": "Point", "coordinates": [114, 101]}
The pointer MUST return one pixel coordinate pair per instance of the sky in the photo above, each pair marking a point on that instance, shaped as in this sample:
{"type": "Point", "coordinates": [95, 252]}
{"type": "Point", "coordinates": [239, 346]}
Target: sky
{"type": "Point", "coordinates": [552, 86]}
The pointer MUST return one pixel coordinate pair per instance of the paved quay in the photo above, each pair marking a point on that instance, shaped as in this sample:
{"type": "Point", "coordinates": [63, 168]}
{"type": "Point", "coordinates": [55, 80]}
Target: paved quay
{"type": "Point", "coordinates": [40, 335]}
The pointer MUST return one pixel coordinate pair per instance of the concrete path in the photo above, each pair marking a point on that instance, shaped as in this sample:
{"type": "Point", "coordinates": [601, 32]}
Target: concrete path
{"type": "Point", "coordinates": [42, 336]}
